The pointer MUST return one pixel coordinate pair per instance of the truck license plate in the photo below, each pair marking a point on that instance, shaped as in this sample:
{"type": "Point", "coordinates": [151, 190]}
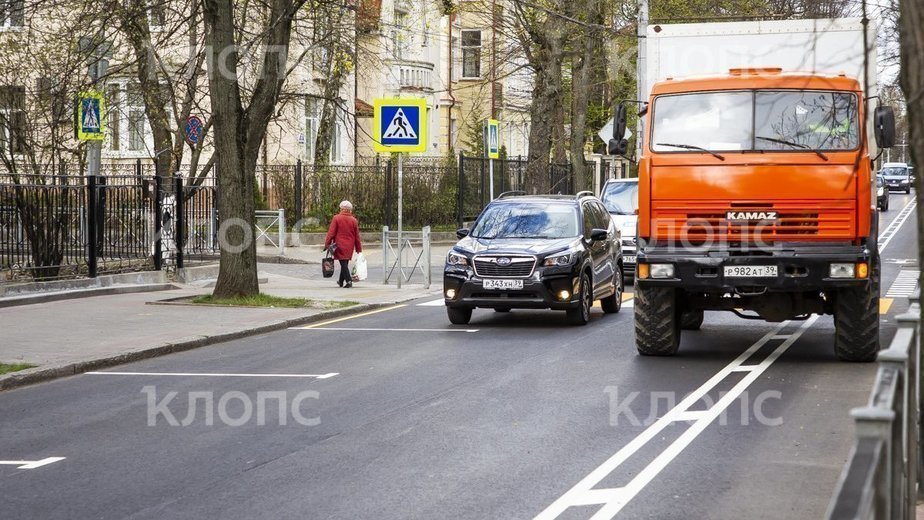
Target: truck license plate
{"type": "Point", "coordinates": [750, 271]}
{"type": "Point", "coordinates": [503, 284]}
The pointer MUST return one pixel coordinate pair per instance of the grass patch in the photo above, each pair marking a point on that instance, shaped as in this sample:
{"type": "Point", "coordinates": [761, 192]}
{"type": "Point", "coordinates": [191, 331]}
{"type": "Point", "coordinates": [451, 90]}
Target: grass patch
{"type": "Point", "coordinates": [6, 369]}
{"type": "Point", "coordinates": [266, 300]}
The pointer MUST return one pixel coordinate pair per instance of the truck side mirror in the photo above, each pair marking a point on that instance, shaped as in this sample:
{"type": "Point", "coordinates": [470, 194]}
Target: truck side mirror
{"type": "Point", "coordinates": [619, 145]}
{"type": "Point", "coordinates": [884, 126]}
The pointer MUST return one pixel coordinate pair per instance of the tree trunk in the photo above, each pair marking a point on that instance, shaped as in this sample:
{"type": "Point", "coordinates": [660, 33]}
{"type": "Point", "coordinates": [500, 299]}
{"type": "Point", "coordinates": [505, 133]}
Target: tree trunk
{"type": "Point", "coordinates": [546, 101]}
{"type": "Point", "coordinates": [911, 34]}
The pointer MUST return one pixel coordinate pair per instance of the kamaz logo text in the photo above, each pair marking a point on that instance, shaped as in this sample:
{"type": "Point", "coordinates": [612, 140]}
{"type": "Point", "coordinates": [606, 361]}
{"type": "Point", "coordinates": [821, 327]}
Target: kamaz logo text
{"type": "Point", "coordinates": [751, 215]}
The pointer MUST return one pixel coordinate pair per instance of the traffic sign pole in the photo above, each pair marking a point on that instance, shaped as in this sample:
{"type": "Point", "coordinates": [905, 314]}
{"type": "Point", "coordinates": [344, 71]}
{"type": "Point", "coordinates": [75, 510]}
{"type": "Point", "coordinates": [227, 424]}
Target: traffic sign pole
{"type": "Point", "coordinates": [491, 176]}
{"type": "Point", "coordinates": [400, 219]}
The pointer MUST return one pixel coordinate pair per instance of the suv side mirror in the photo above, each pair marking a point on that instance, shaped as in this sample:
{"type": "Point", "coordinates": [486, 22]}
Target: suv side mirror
{"type": "Point", "coordinates": [618, 145]}
{"type": "Point", "coordinates": [599, 235]}
{"type": "Point", "coordinates": [462, 233]}
{"type": "Point", "coordinates": [884, 126]}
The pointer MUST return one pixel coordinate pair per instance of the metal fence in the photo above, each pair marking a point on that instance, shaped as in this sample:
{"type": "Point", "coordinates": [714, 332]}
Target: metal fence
{"type": "Point", "coordinates": [54, 227]}
{"type": "Point", "coordinates": [882, 477]}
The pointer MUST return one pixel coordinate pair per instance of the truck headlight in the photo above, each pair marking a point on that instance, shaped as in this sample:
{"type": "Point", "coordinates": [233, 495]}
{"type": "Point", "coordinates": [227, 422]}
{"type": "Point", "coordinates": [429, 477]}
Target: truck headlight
{"type": "Point", "coordinates": [456, 259]}
{"type": "Point", "coordinates": [661, 270]}
{"type": "Point", "coordinates": [842, 271]}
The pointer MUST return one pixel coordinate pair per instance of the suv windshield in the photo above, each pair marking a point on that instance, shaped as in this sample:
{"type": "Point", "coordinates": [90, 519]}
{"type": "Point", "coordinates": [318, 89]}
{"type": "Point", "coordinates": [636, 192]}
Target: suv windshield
{"type": "Point", "coordinates": [621, 198]}
{"type": "Point", "coordinates": [756, 120]}
{"type": "Point", "coordinates": [527, 220]}
{"type": "Point", "coordinates": [894, 171]}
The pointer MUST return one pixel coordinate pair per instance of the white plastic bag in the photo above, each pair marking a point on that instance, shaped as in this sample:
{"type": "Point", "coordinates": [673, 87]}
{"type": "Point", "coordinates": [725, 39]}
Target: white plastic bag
{"type": "Point", "coordinates": [360, 269]}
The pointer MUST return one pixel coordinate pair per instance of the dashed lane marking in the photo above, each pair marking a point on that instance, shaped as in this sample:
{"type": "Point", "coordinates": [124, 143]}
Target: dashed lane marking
{"type": "Point", "coordinates": [31, 464]}
{"type": "Point", "coordinates": [206, 374]}
{"type": "Point", "coordinates": [892, 229]}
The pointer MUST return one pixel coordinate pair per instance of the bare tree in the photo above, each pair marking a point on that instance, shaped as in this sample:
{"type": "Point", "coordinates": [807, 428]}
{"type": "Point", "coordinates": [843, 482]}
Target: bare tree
{"type": "Point", "coordinates": [240, 124]}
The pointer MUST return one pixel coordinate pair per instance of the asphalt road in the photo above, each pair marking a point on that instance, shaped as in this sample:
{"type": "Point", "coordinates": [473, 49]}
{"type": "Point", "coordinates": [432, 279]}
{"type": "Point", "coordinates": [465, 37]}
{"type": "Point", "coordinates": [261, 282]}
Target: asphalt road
{"type": "Point", "coordinates": [515, 416]}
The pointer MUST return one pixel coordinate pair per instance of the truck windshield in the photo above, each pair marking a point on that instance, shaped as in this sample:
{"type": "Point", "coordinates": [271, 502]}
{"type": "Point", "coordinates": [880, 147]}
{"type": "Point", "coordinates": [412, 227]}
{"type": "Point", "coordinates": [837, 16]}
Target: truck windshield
{"type": "Point", "coordinates": [761, 120]}
{"type": "Point", "coordinates": [621, 198]}
{"type": "Point", "coordinates": [527, 220]}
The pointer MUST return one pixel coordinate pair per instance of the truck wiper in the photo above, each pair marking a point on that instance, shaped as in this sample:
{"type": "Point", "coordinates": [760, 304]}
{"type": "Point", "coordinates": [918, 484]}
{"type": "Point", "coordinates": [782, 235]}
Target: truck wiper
{"type": "Point", "coordinates": [692, 147]}
{"type": "Point", "coordinates": [790, 143]}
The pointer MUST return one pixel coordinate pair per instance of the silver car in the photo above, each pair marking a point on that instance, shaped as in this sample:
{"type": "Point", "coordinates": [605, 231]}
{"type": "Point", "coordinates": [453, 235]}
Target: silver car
{"type": "Point", "coordinates": [620, 196]}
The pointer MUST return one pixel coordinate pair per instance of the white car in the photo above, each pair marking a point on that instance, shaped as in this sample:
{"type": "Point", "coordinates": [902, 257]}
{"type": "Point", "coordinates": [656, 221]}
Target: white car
{"type": "Point", "coordinates": [620, 196]}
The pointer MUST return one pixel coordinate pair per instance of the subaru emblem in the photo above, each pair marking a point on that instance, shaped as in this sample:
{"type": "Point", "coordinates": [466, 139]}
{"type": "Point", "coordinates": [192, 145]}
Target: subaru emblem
{"type": "Point", "coordinates": [503, 261]}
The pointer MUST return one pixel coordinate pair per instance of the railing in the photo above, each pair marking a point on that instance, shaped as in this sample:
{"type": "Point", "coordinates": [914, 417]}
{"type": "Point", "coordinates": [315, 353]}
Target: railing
{"type": "Point", "coordinates": [882, 478]}
{"type": "Point", "coordinates": [404, 255]}
{"type": "Point", "coordinates": [271, 227]}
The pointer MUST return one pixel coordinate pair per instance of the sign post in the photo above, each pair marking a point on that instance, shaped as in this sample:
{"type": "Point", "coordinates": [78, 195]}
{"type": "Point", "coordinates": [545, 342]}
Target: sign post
{"type": "Point", "coordinates": [400, 126]}
{"type": "Point", "coordinates": [492, 148]}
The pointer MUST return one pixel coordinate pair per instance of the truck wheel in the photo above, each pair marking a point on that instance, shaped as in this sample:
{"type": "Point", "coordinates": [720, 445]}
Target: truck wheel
{"type": "Point", "coordinates": [657, 322]}
{"type": "Point", "coordinates": [856, 324]}
{"type": "Point", "coordinates": [692, 320]}
{"type": "Point", "coordinates": [459, 315]}
{"type": "Point", "coordinates": [611, 304]}
{"type": "Point", "coordinates": [581, 314]}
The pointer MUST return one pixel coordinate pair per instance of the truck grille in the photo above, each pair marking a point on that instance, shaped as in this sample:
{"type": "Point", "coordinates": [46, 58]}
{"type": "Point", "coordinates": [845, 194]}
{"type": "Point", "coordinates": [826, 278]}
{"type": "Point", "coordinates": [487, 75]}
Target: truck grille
{"type": "Point", "coordinates": [498, 267]}
{"type": "Point", "coordinates": [795, 221]}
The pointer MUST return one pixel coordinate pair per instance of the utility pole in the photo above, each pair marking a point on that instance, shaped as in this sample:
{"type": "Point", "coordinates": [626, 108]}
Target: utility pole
{"type": "Point", "coordinates": [642, 70]}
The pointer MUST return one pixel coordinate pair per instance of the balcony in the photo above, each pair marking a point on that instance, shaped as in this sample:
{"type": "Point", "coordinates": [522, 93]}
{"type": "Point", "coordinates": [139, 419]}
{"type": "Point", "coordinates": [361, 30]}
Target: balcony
{"type": "Point", "coordinates": [413, 76]}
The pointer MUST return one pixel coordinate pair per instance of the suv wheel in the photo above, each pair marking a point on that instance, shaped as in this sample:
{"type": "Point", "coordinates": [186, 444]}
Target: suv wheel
{"type": "Point", "coordinates": [657, 321]}
{"type": "Point", "coordinates": [611, 304]}
{"type": "Point", "coordinates": [459, 315]}
{"type": "Point", "coordinates": [581, 314]}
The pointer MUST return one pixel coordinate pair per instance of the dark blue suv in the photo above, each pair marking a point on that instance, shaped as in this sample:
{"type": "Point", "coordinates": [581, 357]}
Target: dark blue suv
{"type": "Point", "coordinates": [536, 252]}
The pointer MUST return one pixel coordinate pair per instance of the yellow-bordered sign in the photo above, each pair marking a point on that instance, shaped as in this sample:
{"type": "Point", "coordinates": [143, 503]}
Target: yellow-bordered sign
{"type": "Point", "coordinates": [399, 125]}
{"type": "Point", "coordinates": [90, 120]}
{"type": "Point", "coordinates": [492, 138]}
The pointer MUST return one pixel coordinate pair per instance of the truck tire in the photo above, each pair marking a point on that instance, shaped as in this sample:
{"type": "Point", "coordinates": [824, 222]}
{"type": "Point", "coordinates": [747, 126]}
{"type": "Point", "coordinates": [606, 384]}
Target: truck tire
{"type": "Point", "coordinates": [459, 315]}
{"type": "Point", "coordinates": [580, 315]}
{"type": "Point", "coordinates": [692, 320]}
{"type": "Point", "coordinates": [613, 303]}
{"type": "Point", "coordinates": [657, 321]}
{"type": "Point", "coordinates": [856, 324]}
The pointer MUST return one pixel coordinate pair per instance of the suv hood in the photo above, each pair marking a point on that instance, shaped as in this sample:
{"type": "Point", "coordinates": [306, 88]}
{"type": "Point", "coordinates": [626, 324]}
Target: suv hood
{"type": "Point", "coordinates": [527, 246]}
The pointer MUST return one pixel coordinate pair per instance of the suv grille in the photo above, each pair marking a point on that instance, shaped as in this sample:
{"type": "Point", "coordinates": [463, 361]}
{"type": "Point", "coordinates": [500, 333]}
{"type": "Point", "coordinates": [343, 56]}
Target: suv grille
{"type": "Point", "coordinates": [519, 266]}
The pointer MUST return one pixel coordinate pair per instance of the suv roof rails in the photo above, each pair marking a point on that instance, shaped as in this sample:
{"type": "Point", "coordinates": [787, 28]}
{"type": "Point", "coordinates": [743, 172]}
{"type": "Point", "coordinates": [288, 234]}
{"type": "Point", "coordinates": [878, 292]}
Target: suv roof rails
{"type": "Point", "coordinates": [511, 194]}
{"type": "Point", "coordinates": [585, 193]}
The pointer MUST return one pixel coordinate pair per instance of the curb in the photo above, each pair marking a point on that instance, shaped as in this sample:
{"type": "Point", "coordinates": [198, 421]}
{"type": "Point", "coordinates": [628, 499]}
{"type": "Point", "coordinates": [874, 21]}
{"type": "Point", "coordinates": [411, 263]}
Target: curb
{"type": "Point", "coordinates": [15, 301]}
{"type": "Point", "coordinates": [39, 374]}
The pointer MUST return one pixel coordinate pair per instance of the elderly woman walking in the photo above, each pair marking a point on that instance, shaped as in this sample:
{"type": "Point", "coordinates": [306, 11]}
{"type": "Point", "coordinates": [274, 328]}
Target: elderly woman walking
{"type": "Point", "coordinates": [343, 234]}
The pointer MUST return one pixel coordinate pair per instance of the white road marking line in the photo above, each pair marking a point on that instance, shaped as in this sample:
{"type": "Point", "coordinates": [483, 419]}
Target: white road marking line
{"type": "Point", "coordinates": [197, 374]}
{"type": "Point", "coordinates": [371, 329]}
{"type": "Point", "coordinates": [886, 236]}
{"type": "Point", "coordinates": [613, 500]}
{"type": "Point", "coordinates": [904, 284]}
{"type": "Point", "coordinates": [435, 303]}
{"type": "Point", "coordinates": [31, 464]}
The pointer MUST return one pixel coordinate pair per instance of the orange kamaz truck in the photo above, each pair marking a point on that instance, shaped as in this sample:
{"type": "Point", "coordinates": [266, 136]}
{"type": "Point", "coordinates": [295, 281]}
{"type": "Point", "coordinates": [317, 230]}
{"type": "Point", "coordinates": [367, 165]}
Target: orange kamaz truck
{"type": "Point", "coordinates": [756, 196]}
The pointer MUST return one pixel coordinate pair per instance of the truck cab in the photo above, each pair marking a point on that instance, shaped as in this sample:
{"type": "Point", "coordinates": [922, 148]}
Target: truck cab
{"type": "Point", "coordinates": [756, 196]}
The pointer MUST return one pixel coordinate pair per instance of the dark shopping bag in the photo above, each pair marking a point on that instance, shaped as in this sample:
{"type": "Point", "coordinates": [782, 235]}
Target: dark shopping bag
{"type": "Point", "coordinates": [327, 265]}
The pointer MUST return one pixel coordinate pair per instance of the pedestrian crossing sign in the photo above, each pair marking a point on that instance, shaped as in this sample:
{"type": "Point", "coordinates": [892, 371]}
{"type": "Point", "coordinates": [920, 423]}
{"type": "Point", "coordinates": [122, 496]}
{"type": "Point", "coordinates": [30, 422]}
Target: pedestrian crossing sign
{"type": "Point", "coordinates": [89, 119]}
{"type": "Point", "coordinates": [400, 125]}
{"type": "Point", "coordinates": [492, 138]}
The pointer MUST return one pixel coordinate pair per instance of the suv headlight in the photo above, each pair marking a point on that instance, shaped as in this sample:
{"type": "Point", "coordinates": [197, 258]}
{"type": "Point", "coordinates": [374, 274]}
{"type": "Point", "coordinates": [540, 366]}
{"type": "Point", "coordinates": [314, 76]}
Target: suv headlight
{"type": "Point", "coordinates": [880, 191]}
{"type": "Point", "coordinates": [560, 259]}
{"type": "Point", "coordinates": [455, 258]}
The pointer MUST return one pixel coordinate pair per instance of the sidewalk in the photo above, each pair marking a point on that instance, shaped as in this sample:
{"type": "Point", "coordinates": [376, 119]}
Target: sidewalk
{"type": "Point", "coordinates": [72, 336]}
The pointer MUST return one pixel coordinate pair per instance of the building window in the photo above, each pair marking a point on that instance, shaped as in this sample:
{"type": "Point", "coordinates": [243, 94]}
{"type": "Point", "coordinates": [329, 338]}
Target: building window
{"type": "Point", "coordinates": [12, 119]}
{"type": "Point", "coordinates": [471, 54]}
{"type": "Point", "coordinates": [12, 13]}
{"type": "Point", "coordinates": [312, 118]}
{"type": "Point", "coordinates": [401, 34]}
{"type": "Point", "coordinates": [129, 131]}
{"type": "Point", "coordinates": [157, 18]}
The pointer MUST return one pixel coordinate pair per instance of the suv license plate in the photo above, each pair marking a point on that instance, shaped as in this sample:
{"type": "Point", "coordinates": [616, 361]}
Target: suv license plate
{"type": "Point", "coordinates": [750, 271]}
{"type": "Point", "coordinates": [629, 259]}
{"type": "Point", "coordinates": [503, 284]}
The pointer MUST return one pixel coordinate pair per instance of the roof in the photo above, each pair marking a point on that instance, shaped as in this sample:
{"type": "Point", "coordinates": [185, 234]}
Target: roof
{"type": "Point", "coordinates": [743, 79]}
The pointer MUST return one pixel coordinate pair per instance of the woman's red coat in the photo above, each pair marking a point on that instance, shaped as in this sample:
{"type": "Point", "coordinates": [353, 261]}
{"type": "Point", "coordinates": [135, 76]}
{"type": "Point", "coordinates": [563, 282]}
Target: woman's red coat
{"type": "Point", "coordinates": [344, 231]}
